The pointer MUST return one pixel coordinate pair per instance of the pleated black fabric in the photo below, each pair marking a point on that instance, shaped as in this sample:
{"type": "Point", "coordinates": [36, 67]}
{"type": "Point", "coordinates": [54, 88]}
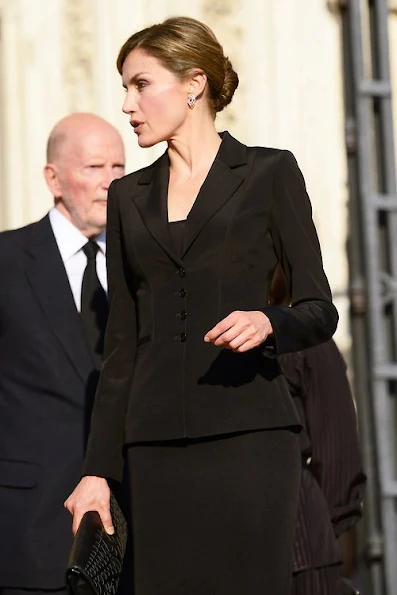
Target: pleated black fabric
{"type": "Point", "coordinates": [214, 515]}
{"type": "Point", "coordinates": [320, 581]}
{"type": "Point", "coordinates": [332, 485]}
{"type": "Point", "coordinates": [315, 544]}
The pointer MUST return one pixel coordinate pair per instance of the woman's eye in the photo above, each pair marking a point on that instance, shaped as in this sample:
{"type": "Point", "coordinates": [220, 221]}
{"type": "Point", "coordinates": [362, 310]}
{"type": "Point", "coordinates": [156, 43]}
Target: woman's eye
{"type": "Point", "coordinates": [141, 84]}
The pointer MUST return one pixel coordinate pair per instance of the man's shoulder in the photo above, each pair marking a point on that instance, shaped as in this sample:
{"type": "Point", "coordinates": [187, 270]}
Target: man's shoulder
{"type": "Point", "coordinates": [13, 240]}
{"type": "Point", "coordinates": [16, 235]}
{"type": "Point", "coordinates": [24, 231]}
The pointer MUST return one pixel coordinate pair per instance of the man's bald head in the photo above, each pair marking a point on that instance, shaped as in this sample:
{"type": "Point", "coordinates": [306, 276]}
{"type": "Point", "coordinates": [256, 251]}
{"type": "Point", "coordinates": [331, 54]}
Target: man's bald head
{"type": "Point", "coordinates": [85, 153]}
{"type": "Point", "coordinates": [73, 127]}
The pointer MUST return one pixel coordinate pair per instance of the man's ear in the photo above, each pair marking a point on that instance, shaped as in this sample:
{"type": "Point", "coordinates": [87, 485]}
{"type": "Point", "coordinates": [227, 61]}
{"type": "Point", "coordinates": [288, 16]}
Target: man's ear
{"type": "Point", "coordinates": [51, 177]}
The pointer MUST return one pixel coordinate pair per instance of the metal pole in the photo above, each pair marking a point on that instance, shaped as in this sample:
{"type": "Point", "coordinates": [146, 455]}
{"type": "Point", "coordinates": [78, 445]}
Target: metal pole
{"type": "Point", "coordinates": [376, 174]}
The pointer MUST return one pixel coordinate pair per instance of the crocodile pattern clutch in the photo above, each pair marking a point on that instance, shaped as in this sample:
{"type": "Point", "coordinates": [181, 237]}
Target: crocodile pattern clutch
{"type": "Point", "coordinates": [96, 558]}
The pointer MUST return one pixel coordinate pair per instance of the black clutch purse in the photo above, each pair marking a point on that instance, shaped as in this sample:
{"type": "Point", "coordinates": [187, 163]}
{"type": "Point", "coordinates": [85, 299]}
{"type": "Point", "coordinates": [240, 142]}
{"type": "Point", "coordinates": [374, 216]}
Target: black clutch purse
{"type": "Point", "coordinates": [96, 558]}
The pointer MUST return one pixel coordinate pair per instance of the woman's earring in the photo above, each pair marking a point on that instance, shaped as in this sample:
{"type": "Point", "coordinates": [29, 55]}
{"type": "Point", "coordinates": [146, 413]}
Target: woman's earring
{"type": "Point", "coordinates": [191, 100]}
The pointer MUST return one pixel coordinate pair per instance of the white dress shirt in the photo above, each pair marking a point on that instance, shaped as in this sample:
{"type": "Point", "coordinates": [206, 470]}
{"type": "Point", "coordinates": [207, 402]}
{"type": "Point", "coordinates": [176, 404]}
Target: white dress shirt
{"type": "Point", "coordinates": [70, 242]}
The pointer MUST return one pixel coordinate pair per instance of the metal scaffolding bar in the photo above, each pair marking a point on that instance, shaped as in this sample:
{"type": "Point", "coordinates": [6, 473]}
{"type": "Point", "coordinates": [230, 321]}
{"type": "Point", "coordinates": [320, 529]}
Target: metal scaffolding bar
{"type": "Point", "coordinates": [377, 198]}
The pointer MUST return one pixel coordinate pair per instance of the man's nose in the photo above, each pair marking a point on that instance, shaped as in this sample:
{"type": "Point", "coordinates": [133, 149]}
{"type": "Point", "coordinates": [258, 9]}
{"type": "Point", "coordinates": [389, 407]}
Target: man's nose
{"type": "Point", "coordinates": [109, 175]}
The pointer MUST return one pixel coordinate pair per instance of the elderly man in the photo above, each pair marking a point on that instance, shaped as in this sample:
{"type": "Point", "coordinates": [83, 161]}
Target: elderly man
{"type": "Point", "coordinates": [53, 310]}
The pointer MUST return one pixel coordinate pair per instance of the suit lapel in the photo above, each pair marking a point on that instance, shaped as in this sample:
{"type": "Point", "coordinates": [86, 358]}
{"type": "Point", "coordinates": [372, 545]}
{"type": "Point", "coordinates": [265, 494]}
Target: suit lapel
{"type": "Point", "coordinates": [48, 279]}
{"type": "Point", "coordinates": [224, 178]}
{"type": "Point", "coordinates": [151, 201]}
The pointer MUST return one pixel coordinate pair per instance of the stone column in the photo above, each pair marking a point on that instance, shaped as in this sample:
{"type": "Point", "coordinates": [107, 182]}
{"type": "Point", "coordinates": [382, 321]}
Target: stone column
{"type": "Point", "coordinates": [33, 98]}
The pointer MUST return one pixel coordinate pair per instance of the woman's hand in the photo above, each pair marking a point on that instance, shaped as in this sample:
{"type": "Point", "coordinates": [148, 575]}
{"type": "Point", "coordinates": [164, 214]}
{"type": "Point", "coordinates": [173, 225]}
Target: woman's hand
{"type": "Point", "coordinates": [240, 331]}
{"type": "Point", "coordinates": [92, 493]}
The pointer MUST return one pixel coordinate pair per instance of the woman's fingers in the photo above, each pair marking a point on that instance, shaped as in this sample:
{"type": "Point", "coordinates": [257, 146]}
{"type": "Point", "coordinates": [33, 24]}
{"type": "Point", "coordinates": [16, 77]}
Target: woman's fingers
{"type": "Point", "coordinates": [76, 522]}
{"type": "Point", "coordinates": [240, 340]}
{"type": "Point", "coordinates": [230, 336]}
{"type": "Point", "coordinates": [92, 493]}
{"type": "Point", "coordinates": [229, 329]}
{"type": "Point", "coordinates": [246, 346]}
{"type": "Point", "coordinates": [220, 328]}
{"type": "Point", "coordinates": [104, 513]}
{"type": "Point", "coordinates": [234, 326]}
{"type": "Point", "coordinates": [240, 331]}
{"type": "Point", "coordinates": [106, 519]}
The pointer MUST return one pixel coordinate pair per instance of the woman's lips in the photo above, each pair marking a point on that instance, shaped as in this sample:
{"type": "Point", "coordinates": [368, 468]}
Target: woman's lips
{"type": "Point", "coordinates": [137, 126]}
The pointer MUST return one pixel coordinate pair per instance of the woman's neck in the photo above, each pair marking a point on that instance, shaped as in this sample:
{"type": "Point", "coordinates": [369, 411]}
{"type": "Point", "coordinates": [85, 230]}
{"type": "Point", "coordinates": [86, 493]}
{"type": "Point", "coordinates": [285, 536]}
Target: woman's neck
{"type": "Point", "coordinates": [194, 149]}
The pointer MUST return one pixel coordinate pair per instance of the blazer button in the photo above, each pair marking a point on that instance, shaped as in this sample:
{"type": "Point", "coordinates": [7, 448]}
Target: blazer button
{"type": "Point", "coordinates": [182, 337]}
{"type": "Point", "coordinates": [182, 292]}
{"type": "Point", "coordinates": [183, 315]}
{"type": "Point", "coordinates": [181, 272]}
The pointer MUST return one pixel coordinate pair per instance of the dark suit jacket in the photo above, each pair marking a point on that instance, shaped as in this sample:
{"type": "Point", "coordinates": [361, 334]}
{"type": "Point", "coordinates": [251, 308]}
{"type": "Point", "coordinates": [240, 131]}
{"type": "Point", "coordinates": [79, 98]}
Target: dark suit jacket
{"type": "Point", "coordinates": [47, 382]}
{"type": "Point", "coordinates": [333, 482]}
{"type": "Point", "coordinates": [160, 380]}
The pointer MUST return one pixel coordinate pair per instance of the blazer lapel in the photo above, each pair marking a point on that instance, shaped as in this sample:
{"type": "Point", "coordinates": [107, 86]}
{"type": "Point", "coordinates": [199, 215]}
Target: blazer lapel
{"type": "Point", "coordinates": [151, 200]}
{"type": "Point", "coordinates": [48, 279]}
{"type": "Point", "coordinates": [224, 178]}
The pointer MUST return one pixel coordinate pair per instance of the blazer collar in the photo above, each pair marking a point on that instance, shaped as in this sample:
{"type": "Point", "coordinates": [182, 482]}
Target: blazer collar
{"type": "Point", "coordinates": [48, 279]}
{"type": "Point", "coordinates": [224, 178]}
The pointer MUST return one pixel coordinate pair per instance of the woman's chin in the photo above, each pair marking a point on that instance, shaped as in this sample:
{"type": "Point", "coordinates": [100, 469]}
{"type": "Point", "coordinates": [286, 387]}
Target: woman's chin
{"type": "Point", "coordinates": [145, 142]}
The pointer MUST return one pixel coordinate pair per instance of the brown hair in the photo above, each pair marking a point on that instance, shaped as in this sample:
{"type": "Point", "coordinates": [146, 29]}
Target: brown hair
{"type": "Point", "coordinates": [183, 45]}
{"type": "Point", "coordinates": [279, 292]}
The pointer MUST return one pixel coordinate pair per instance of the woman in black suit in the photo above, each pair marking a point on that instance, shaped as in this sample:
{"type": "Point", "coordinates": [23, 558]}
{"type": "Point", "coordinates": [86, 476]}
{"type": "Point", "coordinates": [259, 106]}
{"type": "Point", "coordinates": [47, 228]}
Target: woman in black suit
{"type": "Point", "coordinates": [190, 389]}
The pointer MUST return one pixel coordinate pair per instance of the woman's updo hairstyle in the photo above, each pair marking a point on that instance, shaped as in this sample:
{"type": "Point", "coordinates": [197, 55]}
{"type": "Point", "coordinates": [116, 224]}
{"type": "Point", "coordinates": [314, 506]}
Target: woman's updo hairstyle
{"type": "Point", "coordinates": [183, 45]}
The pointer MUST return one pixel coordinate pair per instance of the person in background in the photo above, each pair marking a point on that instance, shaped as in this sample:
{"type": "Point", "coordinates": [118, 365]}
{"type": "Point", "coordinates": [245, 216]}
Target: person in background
{"type": "Point", "coordinates": [332, 478]}
{"type": "Point", "coordinates": [53, 310]}
{"type": "Point", "coordinates": [188, 391]}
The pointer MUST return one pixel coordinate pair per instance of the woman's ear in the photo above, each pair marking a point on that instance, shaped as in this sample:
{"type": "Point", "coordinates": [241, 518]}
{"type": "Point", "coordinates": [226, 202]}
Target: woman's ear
{"type": "Point", "coordinates": [197, 83]}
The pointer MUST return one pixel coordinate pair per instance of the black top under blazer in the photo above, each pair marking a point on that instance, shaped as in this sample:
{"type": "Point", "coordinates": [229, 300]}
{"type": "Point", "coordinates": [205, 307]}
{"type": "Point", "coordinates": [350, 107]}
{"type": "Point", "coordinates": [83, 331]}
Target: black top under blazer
{"type": "Point", "coordinates": [159, 379]}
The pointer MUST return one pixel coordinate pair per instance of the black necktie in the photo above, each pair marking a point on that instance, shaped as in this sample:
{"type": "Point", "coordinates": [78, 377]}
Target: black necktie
{"type": "Point", "coordinates": [94, 304]}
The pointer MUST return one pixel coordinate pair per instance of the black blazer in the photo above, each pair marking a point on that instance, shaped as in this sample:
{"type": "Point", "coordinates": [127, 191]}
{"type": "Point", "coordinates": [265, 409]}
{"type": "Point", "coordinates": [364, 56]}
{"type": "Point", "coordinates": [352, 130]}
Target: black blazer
{"type": "Point", "coordinates": [47, 383]}
{"type": "Point", "coordinates": [160, 380]}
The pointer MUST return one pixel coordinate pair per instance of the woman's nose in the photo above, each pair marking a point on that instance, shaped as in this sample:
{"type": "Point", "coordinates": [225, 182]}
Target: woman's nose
{"type": "Point", "coordinates": [129, 104]}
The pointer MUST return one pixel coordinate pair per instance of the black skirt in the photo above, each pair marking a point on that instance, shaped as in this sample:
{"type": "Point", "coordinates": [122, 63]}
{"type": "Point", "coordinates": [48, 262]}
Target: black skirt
{"type": "Point", "coordinates": [215, 515]}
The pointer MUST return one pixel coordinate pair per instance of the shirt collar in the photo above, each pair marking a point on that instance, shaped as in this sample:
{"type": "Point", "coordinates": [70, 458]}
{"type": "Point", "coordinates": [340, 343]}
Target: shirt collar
{"type": "Point", "coordinates": [101, 241]}
{"type": "Point", "coordinates": [68, 238]}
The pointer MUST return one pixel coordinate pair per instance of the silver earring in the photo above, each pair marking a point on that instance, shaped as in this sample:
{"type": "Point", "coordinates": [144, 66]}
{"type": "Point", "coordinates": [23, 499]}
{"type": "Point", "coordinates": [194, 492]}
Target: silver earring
{"type": "Point", "coordinates": [191, 100]}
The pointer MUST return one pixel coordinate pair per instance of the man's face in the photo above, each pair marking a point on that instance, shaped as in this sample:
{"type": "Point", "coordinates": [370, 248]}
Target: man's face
{"type": "Point", "coordinates": [82, 173]}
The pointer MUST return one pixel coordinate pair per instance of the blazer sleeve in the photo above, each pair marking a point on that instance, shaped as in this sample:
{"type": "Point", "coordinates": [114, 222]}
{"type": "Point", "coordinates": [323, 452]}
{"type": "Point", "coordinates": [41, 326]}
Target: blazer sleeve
{"type": "Point", "coordinates": [104, 450]}
{"type": "Point", "coordinates": [312, 319]}
{"type": "Point", "coordinates": [332, 426]}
